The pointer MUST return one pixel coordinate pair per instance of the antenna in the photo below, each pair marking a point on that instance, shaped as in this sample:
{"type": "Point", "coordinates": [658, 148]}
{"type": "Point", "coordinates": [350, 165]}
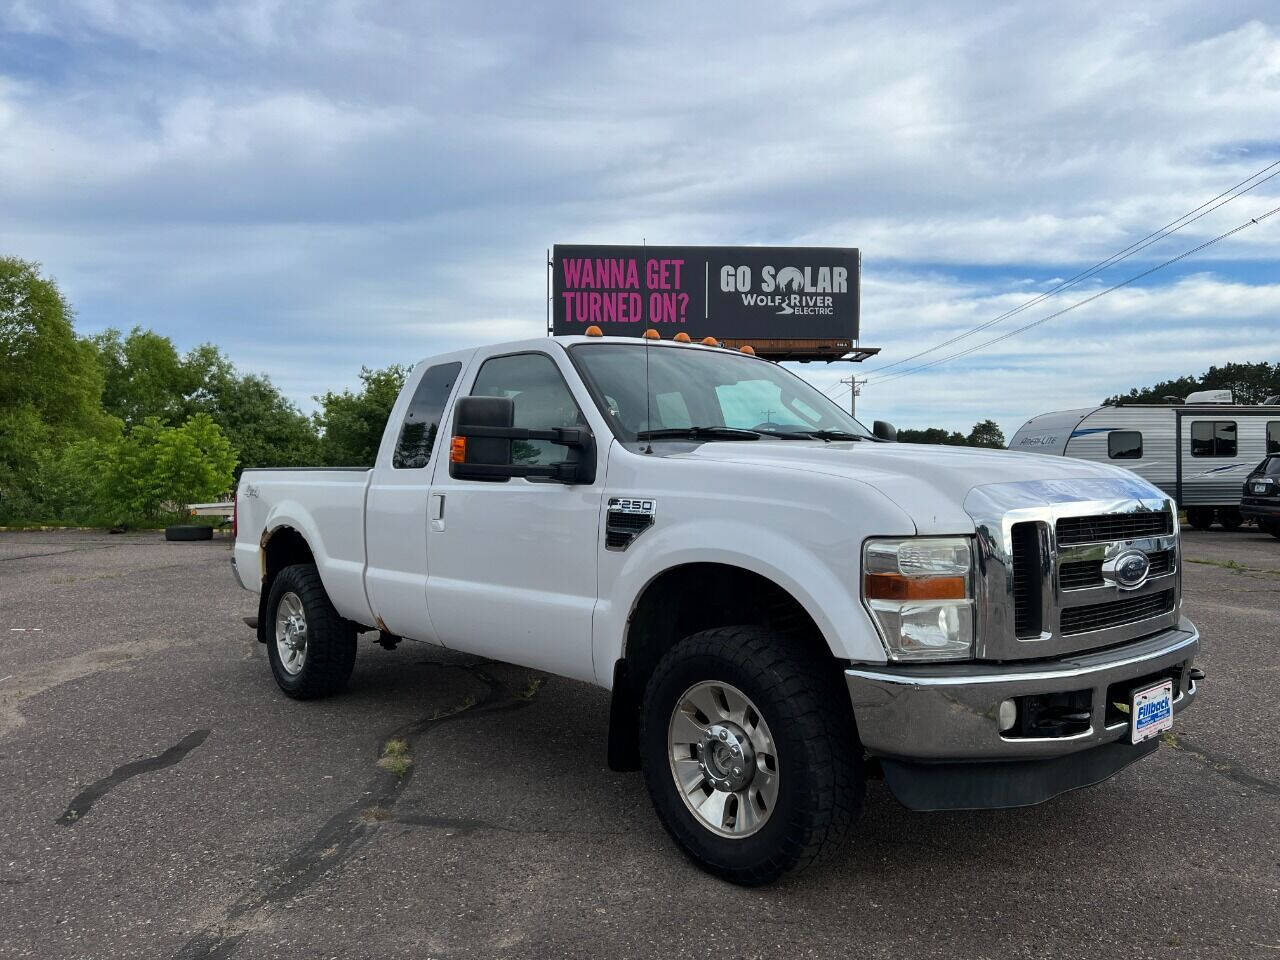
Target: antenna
{"type": "Point", "coordinates": [648, 422]}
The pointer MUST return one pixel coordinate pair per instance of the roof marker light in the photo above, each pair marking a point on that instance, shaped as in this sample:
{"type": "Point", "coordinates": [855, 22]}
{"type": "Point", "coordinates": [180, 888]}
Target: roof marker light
{"type": "Point", "coordinates": [710, 342]}
{"type": "Point", "coordinates": [593, 331]}
{"type": "Point", "coordinates": [747, 349]}
{"type": "Point", "coordinates": [681, 337]}
{"type": "Point", "coordinates": [652, 334]}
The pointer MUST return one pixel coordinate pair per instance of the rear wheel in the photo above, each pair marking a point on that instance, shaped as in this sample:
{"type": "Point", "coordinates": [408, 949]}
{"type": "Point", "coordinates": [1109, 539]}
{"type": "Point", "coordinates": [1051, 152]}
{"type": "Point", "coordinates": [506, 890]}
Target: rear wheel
{"type": "Point", "coordinates": [1201, 518]}
{"type": "Point", "coordinates": [1272, 527]}
{"type": "Point", "coordinates": [1230, 518]}
{"type": "Point", "coordinates": [750, 753]}
{"type": "Point", "coordinates": [312, 649]}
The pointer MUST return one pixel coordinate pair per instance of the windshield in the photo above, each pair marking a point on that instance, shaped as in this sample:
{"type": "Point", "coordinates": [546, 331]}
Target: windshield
{"type": "Point", "coordinates": [692, 388]}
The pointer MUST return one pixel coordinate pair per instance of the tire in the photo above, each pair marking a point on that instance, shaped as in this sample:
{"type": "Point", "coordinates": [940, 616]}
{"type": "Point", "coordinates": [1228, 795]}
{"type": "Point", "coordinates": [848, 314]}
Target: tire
{"type": "Point", "coordinates": [322, 664]}
{"type": "Point", "coordinates": [1230, 518]}
{"type": "Point", "coordinates": [188, 532]}
{"type": "Point", "coordinates": [1272, 527]}
{"type": "Point", "coordinates": [1201, 518]}
{"type": "Point", "coordinates": [804, 712]}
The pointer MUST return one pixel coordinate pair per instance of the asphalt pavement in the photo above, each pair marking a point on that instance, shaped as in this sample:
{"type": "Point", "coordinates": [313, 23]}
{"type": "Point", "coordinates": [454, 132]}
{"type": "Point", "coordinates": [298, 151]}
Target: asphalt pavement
{"type": "Point", "coordinates": [162, 798]}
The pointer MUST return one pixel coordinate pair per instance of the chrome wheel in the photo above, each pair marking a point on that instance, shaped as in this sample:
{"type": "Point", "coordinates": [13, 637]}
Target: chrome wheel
{"type": "Point", "coordinates": [723, 759]}
{"type": "Point", "coordinates": [291, 633]}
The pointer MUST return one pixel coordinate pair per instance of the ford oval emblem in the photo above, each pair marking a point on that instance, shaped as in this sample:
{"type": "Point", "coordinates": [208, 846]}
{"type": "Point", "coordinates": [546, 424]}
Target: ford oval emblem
{"type": "Point", "coordinates": [1131, 569]}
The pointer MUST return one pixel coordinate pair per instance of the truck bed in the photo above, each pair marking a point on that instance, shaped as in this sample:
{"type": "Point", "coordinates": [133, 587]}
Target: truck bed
{"type": "Point", "coordinates": [324, 504]}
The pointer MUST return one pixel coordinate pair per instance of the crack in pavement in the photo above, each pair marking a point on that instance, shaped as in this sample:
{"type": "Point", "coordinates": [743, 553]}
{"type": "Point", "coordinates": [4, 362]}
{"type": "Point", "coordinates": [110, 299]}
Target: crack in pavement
{"type": "Point", "coordinates": [79, 807]}
{"type": "Point", "coordinates": [1222, 765]}
{"type": "Point", "coordinates": [349, 828]}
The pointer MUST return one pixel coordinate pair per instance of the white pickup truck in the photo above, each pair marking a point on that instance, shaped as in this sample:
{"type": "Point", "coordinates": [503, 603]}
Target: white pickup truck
{"type": "Point", "coordinates": [781, 602]}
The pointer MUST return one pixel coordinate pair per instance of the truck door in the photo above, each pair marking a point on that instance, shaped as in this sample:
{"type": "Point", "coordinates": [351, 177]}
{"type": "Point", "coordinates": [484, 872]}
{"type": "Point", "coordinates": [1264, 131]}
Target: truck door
{"type": "Point", "coordinates": [513, 563]}
{"type": "Point", "coordinates": [396, 513]}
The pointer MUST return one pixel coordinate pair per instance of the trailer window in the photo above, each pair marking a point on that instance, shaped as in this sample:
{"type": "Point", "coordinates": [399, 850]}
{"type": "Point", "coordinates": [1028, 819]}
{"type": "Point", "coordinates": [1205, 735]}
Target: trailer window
{"type": "Point", "coordinates": [1124, 445]}
{"type": "Point", "coordinates": [1213, 438]}
{"type": "Point", "coordinates": [422, 421]}
{"type": "Point", "coordinates": [1273, 436]}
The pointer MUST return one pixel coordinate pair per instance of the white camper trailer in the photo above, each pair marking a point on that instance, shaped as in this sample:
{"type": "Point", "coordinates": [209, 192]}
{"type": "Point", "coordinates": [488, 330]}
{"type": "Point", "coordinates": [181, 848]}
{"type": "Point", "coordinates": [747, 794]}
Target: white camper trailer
{"type": "Point", "coordinates": [1199, 452]}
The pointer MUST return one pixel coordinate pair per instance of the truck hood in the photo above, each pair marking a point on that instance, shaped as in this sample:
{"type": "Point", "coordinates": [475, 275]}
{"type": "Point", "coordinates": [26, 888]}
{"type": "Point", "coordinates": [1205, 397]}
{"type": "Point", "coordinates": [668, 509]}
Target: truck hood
{"type": "Point", "coordinates": [929, 483]}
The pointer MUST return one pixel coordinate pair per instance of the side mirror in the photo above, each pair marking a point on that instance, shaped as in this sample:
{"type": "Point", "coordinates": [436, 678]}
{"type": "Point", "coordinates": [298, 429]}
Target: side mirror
{"type": "Point", "coordinates": [483, 438]}
{"type": "Point", "coordinates": [884, 430]}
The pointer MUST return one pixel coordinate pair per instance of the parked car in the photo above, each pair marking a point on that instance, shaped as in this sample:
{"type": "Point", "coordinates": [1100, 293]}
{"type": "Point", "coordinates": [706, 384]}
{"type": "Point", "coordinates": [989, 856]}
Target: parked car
{"type": "Point", "coordinates": [1260, 500]}
{"type": "Point", "coordinates": [778, 599]}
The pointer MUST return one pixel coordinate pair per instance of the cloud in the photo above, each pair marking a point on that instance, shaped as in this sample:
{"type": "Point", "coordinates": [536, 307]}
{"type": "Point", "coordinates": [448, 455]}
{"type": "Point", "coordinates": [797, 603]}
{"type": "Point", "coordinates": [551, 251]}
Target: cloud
{"type": "Point", "coordinates": [317, 185]}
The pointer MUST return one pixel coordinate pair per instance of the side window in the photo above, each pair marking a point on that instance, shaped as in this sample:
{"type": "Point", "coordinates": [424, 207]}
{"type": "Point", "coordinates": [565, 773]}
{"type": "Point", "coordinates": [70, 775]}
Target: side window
{"type": "Point", "coordinates": [1124, 445]}
{"type": "Point", "coordinates": [1213, 438]}
{"type": "Point", "coordinates": [542, 401]}
{"type": "Point", "coordinates": [1273, 436]}
{"type": "Point", "coordinates": [422, 421]}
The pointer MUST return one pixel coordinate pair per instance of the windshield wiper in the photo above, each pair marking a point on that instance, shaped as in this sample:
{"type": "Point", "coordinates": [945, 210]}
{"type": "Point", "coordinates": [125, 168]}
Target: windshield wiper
{"type": "Point", "coordinates": [829, 435]}
{"type": "Point", "coordinates": [698, 433]}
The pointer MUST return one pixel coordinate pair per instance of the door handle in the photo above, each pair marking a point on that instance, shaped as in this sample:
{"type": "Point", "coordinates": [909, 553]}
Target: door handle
{"type": "Point", "coordinates": [436, 511]}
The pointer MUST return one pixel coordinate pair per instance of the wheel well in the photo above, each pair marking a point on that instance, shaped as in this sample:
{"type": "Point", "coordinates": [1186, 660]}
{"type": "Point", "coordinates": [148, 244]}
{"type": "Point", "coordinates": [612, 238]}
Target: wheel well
{"type": "Point", "coordinates": [284, 547]}
{"type": "Point", "coordinates": [683, 601]}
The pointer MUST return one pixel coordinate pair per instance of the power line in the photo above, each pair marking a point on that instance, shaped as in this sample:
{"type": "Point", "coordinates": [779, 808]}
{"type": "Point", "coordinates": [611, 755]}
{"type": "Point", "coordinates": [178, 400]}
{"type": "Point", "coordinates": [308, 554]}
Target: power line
{"type": "Point", "coordinates": [1170, 228]}
{"type": "Point", "coordinates": [1101, 293]}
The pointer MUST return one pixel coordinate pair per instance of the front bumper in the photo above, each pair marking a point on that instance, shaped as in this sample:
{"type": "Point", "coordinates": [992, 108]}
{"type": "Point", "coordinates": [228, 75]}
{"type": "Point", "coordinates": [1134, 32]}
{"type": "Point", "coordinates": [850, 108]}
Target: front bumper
{"type": "Point", "coordinates": [948, 712]}
{"type": "Point", "coordinates": [936, 732]}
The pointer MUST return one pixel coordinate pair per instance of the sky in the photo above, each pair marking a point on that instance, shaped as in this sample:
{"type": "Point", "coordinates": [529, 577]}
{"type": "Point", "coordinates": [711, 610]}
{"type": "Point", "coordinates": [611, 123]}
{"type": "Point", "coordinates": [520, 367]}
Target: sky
{"type": "Point", "coordinates": [316, 186]}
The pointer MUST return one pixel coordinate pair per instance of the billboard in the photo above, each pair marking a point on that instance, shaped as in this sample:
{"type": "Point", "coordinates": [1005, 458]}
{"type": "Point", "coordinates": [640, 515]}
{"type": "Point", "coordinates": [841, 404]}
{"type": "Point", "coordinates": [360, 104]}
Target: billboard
{"type": "Point", "coordinates": [735, 294]}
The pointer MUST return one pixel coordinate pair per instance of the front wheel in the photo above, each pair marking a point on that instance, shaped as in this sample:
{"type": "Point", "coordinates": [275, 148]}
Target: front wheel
{"type": "Point", "coordinates": [750, 753]}
{"type": "Point", "coordinates": [1230, 518]}
{"type": "Point", "coordinates": [312, 649]}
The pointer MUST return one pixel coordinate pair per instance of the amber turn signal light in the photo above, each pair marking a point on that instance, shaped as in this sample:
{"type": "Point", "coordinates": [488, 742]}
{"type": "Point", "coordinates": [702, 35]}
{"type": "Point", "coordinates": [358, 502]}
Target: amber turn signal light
{"type": "Point", "coordinates": [894, 586]}
{"type": "Point", "coordinates": [458, 450]}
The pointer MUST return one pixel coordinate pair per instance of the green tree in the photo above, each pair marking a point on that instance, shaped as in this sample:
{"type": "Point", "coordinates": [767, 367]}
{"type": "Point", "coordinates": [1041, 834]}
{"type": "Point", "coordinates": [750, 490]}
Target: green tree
{"type": "Point", "coordinates": [143, 376]}
{"type": "Point", "coordinates": [263, 426]}
{"type": "Point", "coordinates": [1248, 383]}
{"type": "Point", "coordinates": [153, 471]}
{"type": "Point", "coordinates": [49, 380]}
{"type": "Point", "coordinates": [986, 433]}
{"type": "Point", "coordinates": [932, 435]}
{"type": "Point", "coordinates": [351, 424]}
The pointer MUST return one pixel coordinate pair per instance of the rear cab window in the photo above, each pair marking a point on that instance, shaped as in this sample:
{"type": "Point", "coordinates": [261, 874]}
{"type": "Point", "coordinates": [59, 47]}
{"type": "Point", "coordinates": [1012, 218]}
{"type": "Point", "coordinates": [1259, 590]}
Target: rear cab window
{"type": "Point", "coordinates": [422, 420]}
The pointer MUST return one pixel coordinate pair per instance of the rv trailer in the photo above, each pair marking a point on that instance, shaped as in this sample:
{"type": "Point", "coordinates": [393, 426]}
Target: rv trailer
{"type": "Point", "coordinates": [1198, 452]}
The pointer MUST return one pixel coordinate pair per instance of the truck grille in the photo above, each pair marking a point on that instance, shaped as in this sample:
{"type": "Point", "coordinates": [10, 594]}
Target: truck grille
{"type": "Point", "coordinates": [1082, 574]}
{"type": "Point", "coordinates": [1113, 613]}
{"type": "Point", "coordinates": [1113, 526]}
{"type": "Point", "coordinates": [1027, 581]}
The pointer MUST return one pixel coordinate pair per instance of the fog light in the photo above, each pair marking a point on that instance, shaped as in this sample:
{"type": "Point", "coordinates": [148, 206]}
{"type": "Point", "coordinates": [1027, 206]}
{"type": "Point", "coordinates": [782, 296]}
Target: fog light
{"type": "Point", "coordinates": [1008, 715]}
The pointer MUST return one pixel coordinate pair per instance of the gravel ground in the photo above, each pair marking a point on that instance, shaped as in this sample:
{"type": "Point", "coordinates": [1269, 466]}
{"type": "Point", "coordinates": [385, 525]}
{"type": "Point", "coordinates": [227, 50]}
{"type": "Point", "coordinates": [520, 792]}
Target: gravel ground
{"type": "Point", "coordinates": [163, 799]}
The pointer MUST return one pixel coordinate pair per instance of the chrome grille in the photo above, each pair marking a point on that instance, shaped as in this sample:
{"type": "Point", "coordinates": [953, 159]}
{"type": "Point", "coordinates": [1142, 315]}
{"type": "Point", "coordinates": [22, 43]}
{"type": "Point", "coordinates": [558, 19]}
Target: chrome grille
{"type": "Point", "coordinates": [1047, 555]}
{"type": "Point", "coordinates": [1083, 574]}
{"type": "Point", "coordinates": [1114, 613]}
{"type": "Point", "coordinates": [1113, 526]}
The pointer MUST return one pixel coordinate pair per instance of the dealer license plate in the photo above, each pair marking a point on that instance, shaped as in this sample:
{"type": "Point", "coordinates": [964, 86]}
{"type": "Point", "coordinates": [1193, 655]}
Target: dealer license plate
{"type": "Point", "coordinates": [1151, 711]}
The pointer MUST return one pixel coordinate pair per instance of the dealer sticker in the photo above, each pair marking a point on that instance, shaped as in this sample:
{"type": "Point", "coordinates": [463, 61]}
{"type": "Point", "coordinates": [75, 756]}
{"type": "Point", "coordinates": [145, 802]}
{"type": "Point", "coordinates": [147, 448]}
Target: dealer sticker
{"type": "Point", "coordinates": [1152, 711]}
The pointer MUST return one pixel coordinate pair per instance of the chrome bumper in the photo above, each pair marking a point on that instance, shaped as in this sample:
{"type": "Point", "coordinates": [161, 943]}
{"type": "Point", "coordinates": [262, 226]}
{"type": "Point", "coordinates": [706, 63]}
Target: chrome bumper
{"type": "Point", "coordinates": [948, 711]}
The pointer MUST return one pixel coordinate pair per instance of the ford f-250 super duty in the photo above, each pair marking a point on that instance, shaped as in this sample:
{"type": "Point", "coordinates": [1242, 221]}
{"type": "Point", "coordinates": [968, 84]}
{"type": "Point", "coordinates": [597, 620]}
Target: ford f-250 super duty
{"type": "Point", "coordinates": [779, 601]}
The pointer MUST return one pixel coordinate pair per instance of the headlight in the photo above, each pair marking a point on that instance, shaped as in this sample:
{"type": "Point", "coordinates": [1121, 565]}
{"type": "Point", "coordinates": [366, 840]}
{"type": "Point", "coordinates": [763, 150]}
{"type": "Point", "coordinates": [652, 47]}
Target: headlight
{"type": "Point", "coordinates": [919, 591]}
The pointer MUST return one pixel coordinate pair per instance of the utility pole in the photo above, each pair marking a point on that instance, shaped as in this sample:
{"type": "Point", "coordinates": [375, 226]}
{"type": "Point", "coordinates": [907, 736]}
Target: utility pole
{"type": "Point", "coordinates": [855, 388]}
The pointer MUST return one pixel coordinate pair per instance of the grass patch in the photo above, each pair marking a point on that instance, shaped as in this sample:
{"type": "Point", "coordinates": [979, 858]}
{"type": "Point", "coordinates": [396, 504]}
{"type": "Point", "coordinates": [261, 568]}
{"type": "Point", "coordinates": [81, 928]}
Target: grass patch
{"type": "Point", "coordinates": [395, 757]}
